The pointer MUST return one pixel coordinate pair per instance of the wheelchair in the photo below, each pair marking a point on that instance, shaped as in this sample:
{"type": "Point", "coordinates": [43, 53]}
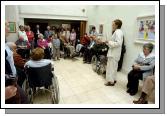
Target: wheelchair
{"type": "Point", "coordinates": [99, 59]}
{"type": "Point", "coordinates": [41, 79]}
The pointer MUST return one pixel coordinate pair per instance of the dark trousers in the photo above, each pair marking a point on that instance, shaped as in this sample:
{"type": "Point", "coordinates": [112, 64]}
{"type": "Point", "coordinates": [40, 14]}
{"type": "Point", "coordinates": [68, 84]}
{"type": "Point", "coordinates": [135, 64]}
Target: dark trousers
{"type": "Point", "coordinates": [133, 80]}
{"type": "Point", "coordinates": [25, 53]}
{"type": "Point", "coordinates": [21, 76]}
{"type": "Point", "coordinates": [47, 53]}
{"type": "Point", "coordinates": [88, 53]}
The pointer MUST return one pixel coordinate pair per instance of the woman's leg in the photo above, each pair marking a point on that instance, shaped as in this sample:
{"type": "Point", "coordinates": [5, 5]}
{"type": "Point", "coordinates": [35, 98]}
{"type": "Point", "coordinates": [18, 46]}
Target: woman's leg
{"type": "Point", "coordinates": [111, 70]}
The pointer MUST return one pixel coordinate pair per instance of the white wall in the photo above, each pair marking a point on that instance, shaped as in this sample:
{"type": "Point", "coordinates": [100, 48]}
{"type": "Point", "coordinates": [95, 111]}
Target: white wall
{"type": "Point", "coordinates": [17, 14]}
{"type": "Point", "coordinates": [96, 15]}
{"type": "Point", "coordinates": [67, 10]}
{"type": "Point", "coordinates": [12, 15]}
{"type": "Point", "coordinates": [128, 14]}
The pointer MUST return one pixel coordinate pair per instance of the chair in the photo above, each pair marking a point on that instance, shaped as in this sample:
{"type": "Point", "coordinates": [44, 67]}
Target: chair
{"type": "Point", "coordinates": [41, 77]}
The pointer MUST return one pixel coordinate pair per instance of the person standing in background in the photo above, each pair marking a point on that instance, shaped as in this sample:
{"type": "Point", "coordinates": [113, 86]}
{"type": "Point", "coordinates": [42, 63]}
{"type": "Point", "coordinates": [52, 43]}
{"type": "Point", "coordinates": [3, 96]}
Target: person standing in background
{"type": "Point", "coordinates": [30, 36]}
{"type": "Point", "coordinates": [73, 37]}
{"type": "Point", "coordinates": [37, 31]}
{"type": "Point", "coordinates": [56, 47]}
{"type": "Point", "coordinates": [48, 33]}
{"type": "Point", "coordinates": [22, 33]}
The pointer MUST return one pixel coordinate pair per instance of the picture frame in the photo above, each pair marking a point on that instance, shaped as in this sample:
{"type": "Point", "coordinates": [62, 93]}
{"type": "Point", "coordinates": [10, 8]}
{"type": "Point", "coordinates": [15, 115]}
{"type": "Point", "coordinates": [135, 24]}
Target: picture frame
{"type": "Point", "coordinates": [12, 27]}
{"type": "Point", "coordinates": [101, 29]}
{"type": "Point", "coordinates": [146, 28]}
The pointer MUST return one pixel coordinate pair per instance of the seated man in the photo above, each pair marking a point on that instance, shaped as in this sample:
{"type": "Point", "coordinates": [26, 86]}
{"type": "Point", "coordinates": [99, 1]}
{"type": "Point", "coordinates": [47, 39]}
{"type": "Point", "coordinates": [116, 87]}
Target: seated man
{"type": "Point", "coordinates": [88, 53]}
{"type": "Point", "coordinates": [23, 47]}
{"type": "Point", "coordinates": [19, 64]}
{"type": "Point", "coordinates": [84, 42]}
{"type": "Point", "coordinates": [148, 87]}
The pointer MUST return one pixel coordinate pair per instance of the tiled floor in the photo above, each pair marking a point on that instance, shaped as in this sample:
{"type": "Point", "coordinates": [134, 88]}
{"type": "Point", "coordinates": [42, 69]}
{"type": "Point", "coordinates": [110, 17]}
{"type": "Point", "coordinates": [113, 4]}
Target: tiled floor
{"type": "Point", "coordinates": [79, 84]}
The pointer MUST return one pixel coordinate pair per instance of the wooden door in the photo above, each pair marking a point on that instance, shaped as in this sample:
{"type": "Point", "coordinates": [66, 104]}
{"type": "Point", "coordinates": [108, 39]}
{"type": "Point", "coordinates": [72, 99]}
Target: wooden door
{"type": "Point", "coordinates": [82, 28]}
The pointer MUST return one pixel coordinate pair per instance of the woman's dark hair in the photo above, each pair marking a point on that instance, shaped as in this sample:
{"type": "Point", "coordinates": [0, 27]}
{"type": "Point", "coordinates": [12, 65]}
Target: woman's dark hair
{"type": "Point", "coordinates": [150, 46]}
{"type": "Point", "coordinates": [118, 23]}
{"type": "Point", "coordinates": [21, 26]}
{"type": "Point", "coordinates": [93, 28]}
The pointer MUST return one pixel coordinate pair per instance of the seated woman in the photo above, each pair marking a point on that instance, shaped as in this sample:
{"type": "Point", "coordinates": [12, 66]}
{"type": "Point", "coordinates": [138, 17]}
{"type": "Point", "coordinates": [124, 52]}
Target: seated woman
{"type": "Point", "coordinates": [37, 60]}
{"type": "Point", "coordinates": [141, 69]}
{"type": "Point", "coordinates": [70, 48]}
{"type": "Point", "coordinates": [42, 43]}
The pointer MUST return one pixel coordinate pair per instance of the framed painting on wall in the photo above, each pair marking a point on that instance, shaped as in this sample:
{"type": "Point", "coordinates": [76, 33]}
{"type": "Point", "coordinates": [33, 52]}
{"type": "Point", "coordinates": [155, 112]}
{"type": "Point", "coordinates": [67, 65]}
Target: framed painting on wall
{"type": "Point", "coordinates": [12, 27]}
{"type": "Point", "coordinates": [101, 29]}
{"type": "Point", "coordinates": [146, 28]}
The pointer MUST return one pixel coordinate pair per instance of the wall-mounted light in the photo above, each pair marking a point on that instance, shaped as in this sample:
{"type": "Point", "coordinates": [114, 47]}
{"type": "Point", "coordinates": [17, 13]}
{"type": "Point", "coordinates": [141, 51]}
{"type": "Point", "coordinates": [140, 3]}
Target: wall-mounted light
{"type": "Point", "coordinates": [83, 10]}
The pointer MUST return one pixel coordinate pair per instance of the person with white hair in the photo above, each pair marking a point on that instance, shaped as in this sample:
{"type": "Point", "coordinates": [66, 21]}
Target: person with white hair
{"type": "Point", "coordinates": [13, 93]}
{"type": "Point", "coordinates": [42, 43]}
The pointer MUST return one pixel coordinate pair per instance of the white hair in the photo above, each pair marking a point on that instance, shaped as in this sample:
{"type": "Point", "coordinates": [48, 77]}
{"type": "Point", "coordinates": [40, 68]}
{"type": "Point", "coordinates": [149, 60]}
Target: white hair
{"type": "Point", "coordinates": [40, 35]}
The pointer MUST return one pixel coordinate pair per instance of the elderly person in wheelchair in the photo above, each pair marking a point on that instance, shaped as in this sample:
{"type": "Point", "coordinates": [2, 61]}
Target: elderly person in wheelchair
{"type": "Point", "coordinates": [40, 76]}
{"type": "Point", "coordinates": [99, 59]}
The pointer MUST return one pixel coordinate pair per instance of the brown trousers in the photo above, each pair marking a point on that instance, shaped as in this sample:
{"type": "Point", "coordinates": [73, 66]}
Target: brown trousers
{"type": "Point", "coordinates": [149, 85]}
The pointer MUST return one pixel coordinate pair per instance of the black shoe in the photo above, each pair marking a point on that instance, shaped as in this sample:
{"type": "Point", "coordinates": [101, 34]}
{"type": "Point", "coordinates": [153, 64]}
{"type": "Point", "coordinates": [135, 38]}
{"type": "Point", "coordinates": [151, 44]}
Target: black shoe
{"type": "Point", "coordinates": [128, 91]}
{"type": "Point", "coordinates": [132, 93]}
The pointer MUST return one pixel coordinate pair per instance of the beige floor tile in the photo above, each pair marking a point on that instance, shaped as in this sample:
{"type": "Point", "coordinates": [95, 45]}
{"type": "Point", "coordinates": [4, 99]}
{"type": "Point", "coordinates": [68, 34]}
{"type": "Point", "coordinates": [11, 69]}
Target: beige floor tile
{"type": "Point", "coordinates": [71, 100]}
{"type": "Point", "coordinates": [79, 84]}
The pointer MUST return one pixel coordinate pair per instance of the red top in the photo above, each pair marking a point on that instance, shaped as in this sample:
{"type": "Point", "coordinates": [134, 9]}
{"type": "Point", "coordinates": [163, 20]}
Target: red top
{"type": "Point", "coordinates": [30, 35]}
{"type": "Point", "coordinates": [85, 40]}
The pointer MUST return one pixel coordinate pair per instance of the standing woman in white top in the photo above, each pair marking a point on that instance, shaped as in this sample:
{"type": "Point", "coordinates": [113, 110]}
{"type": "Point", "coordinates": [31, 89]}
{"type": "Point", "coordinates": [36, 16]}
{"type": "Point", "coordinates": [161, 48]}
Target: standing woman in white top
{"type": "Point", "coordinates": [22, 33]}
{"type": "Point", "coordinates": [114, 52]}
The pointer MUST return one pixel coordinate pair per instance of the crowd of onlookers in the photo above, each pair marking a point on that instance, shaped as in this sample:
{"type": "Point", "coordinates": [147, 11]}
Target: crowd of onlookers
{"type": "Point", "coordinates": [36, 49]}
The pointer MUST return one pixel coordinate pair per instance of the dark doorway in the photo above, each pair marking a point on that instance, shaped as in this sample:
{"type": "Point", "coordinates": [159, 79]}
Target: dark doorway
{"type": "Point", "coordinates": [33, 26]}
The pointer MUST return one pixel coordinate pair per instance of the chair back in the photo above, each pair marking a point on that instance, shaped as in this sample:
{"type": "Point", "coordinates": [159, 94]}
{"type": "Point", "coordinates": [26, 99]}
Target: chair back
{"type": "Point", "coordinates": [39, 76]}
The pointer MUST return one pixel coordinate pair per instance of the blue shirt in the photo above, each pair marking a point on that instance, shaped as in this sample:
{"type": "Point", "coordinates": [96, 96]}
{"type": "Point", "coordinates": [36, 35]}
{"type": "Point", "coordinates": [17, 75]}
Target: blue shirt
{"type": "Point", "coordinates": [56, 42]}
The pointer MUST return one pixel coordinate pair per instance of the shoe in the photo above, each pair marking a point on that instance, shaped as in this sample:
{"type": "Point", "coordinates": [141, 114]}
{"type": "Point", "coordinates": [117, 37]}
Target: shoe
{"type": "Point", "coordinates": [115, 82]}
{"type": "Point", "coordinates": [109, 84]}
{"type": "Point", "coordinates": [132, 93]}
{"type": "Point", "coordinates": [128, 91]}
{"type": "Point", "coordinates": [140, 101]}
{"type": "Point", "coordinates": [84, 62]}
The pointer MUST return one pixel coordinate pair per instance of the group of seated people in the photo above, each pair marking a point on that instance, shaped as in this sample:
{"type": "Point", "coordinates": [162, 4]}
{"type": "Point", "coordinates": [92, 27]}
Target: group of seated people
{"type": "Point", "coordinates": [142, 69]}
{"type": "Point", "coordinates": [36, 60]}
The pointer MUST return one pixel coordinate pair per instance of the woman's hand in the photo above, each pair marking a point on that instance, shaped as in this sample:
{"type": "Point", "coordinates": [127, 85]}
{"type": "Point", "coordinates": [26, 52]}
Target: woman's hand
{"type": "Point", "coordinates": [136, 67]}
{"type": "Point", "coordinates": [10, 91]}
{"type": "Point", "coordinates": [106, 42]}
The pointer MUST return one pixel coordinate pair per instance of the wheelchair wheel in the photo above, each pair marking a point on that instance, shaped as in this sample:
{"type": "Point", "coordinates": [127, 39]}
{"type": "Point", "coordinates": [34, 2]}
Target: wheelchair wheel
{"type": "Point", "coordinates": [102, 68]}
{"type": "Point", "coordinates": [55, 90]}
{"type": "Point", "coordinates": [103, 64]}
{"type": "Point", "coordinates": [94, 63]}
